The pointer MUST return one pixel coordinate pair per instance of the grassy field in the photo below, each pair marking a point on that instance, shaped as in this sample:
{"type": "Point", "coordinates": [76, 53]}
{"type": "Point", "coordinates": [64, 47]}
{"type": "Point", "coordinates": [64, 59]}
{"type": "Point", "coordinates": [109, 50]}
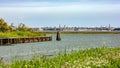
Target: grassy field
{"type": "Point", "coordinates": [21, 34]}
{"type": "Point", "coordinates": [89, 58]}
{"type": "Point", "coordinates": [83, 32]}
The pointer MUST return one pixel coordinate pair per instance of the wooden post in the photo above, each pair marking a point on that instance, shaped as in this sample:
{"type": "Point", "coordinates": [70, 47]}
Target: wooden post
{"type": "Point", "coordinates": [1, 42]}
{"type": "Point", "coordinates": [58, 36]}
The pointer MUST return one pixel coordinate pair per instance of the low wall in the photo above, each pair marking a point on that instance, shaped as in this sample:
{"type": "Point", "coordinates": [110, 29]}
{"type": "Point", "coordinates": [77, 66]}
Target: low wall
{"type": "Point", "coordinates": [4, 41]}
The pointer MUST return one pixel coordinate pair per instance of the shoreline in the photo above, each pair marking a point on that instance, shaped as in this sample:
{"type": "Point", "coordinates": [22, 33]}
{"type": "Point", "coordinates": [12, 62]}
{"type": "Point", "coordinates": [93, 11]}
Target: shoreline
{"type": "Point", "coordinates": [82, 32]}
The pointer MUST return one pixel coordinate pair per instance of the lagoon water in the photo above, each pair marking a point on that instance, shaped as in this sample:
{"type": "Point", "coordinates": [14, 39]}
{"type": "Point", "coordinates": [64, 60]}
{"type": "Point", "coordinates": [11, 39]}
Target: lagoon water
{"type": "Point", "coordinates": [68, 42]}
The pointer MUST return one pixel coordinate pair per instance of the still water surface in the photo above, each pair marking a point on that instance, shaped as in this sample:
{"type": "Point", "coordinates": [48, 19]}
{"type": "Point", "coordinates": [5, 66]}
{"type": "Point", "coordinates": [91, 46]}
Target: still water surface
{"type": "Point", "coordinates": [68, 42]}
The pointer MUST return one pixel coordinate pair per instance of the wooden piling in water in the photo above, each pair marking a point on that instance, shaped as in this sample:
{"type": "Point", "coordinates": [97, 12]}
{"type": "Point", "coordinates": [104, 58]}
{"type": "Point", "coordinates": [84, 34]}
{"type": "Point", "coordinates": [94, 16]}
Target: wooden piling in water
{"type": "Point", "coordinates": [58, 38]}
{"type": "Point", "coordinates": [1, 41]}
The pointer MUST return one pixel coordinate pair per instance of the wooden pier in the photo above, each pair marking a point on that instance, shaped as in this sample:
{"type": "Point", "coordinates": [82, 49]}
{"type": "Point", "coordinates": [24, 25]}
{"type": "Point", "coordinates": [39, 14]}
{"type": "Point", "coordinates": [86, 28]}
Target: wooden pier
{"type": "Point", "coordinates": [6, 41]}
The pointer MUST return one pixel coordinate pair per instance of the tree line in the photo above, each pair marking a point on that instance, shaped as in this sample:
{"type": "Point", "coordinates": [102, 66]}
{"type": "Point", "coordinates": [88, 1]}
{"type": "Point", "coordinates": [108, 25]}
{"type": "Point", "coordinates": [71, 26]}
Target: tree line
{"type": "Point", "coordinates": [4, 27]}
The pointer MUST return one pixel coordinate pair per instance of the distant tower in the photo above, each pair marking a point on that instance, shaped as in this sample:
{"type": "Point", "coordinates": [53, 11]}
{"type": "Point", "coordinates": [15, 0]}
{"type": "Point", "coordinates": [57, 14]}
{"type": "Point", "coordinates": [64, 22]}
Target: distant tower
{"type": "Point", "coordinates": [64, 26]}
{"type": "Point", "coordinates": [109, 26]}
{"type": "Point", "coordinates": [59, 26]}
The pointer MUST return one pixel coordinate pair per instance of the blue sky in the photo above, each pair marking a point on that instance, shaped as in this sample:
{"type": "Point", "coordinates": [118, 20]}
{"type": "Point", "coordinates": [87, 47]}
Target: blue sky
{"type": "Point", "coordinates": [39, 13]}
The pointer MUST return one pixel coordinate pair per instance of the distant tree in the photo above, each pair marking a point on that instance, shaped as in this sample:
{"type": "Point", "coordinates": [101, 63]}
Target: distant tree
{"type": "Point", "coordinates": [3, 26]}
{"type": "Point", "coordinates": [22, 27]}
{"type": "Point", "coordinates": [12, 27]}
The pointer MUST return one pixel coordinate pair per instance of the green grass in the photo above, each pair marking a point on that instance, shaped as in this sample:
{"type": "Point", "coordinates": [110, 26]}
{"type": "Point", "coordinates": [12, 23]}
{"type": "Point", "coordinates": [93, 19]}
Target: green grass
{"type": "Point", "coordinates": [21, 34]}
{"type": "Point", "coordinates": [89, 58]}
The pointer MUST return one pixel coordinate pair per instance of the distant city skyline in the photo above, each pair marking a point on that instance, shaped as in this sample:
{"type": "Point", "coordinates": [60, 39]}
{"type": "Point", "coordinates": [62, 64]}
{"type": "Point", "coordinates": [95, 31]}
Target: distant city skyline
{"type": "Point", "coordinates": [79, 13]}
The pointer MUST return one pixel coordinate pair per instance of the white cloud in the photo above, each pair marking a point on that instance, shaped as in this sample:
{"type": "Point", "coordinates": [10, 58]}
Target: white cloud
{"type": "Point", "coordinates": [69, 10]}
{"type": "Point", "coordinates": [64, 8]}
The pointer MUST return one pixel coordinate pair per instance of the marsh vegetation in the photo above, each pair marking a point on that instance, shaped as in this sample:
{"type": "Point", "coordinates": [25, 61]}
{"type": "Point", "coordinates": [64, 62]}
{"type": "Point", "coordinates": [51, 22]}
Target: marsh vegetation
{"type": "Point", "coordinates": [89, 58]}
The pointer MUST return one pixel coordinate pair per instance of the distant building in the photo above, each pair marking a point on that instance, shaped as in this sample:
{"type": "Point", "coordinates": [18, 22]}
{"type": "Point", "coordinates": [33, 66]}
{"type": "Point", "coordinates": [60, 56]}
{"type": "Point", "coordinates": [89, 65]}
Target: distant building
{"type": "Point", "coordinates": [68, 29]}
{"type": "Point", "coordinates": [36, 29]}
{"type": "Point", "coordinates": [116, 29]}
{"type": "Point", "coordinates": [104, 29]}
{"type": "Point", "coordinates": [82, 29]}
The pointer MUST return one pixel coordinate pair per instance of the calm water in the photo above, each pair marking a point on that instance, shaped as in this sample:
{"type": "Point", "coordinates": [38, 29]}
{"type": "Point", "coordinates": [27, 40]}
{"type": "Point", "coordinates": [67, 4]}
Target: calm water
{"type": "Point", "coordinates": [68, 42]}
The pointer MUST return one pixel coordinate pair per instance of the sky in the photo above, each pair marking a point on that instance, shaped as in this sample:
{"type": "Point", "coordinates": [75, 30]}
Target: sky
{"type": "Point", "coordinates": [50, 13]}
